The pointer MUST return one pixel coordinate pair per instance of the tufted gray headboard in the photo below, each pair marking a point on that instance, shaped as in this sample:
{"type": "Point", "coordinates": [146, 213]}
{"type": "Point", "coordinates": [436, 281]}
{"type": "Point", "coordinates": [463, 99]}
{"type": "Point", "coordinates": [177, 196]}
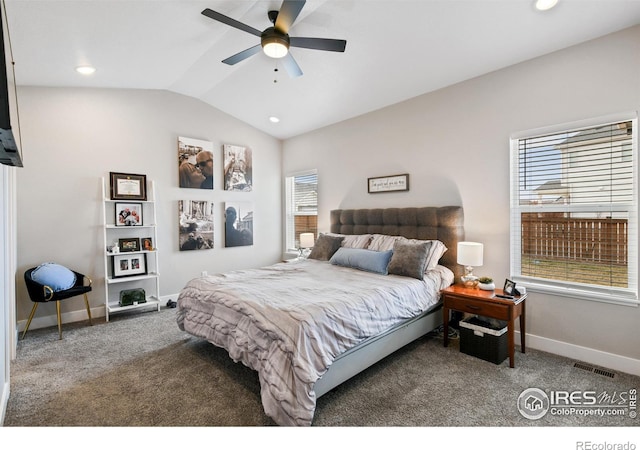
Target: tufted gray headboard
{"type": "Point", "coordinates": [445, 223]}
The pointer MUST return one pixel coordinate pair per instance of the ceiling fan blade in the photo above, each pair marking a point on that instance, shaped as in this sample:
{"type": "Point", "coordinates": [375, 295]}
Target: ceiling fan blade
{"type": "Point", "coordinates": [332, 45]}
{"type": "Point", "coordinates": [291, 66]}
{"type": "Point", "coordinates": [288, 13]}
{"type": "Point", "coordinates": [231, 22]}
{"type": "Point", "coordinates": [244, 54]}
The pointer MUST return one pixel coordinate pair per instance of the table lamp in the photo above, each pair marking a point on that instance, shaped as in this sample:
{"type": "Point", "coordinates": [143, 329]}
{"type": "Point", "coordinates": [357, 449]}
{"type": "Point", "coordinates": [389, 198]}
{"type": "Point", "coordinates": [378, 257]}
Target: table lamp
{"type": "Point", "coordinates": [306, 242]}
{"type": "Point", "coordinates": [470, 256]}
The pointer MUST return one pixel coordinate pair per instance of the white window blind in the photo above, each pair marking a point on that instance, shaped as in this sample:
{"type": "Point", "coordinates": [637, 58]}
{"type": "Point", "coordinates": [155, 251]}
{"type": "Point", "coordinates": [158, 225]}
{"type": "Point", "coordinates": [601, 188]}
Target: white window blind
{"type": "Point", "coordinates": [574, 211]}
{"type": "Point", "coordinates": [301, 207]}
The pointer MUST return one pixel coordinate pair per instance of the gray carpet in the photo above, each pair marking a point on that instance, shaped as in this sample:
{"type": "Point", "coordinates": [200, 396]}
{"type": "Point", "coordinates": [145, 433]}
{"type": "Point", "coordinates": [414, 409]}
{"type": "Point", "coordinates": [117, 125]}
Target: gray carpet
{"type": "Point", "coordinates": [141, 370]}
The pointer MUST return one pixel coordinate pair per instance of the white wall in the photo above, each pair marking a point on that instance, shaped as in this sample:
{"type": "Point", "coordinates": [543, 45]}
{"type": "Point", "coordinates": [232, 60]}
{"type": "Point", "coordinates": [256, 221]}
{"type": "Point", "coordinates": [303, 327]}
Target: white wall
{"type": "Point", "coordinates": [73, 137]}
{"type": "Point", "coordinates": [454, 143]}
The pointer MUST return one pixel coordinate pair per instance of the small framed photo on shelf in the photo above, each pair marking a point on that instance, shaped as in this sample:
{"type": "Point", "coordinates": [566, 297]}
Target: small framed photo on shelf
{"type": "Point", "coordinates": [147, 244]}
{"type": "Point", "coordinates": [128, 186]}
{"type": "Point", "coordinates": [129, 265]}
{"type": "Point", "coordinates": [128, 214]}
{"type": "Point", "coordinates": [129, 244]}
{"type": "Point", "coordinates": [509, 287]}
{"type": "Point", "coordinates": [389, 183]}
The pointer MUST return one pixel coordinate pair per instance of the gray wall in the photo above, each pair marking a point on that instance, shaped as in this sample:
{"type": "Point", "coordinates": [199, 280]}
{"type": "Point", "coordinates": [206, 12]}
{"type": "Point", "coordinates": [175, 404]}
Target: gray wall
{"type": "Point", "coordinates": [454, 143]}
{"type": "Point", "coordinates": [73, 137]}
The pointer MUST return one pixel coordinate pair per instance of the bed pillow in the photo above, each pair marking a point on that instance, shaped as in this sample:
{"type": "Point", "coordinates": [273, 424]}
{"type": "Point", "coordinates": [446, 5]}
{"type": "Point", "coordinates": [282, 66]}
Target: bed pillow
{"type": "Point", "coordinates": [362, 259]}
{"type": "Point", "coordinates": [435, 252]}
{"type": "Point", "coordinates": [55, 276]}
{"type": "Point", "coordinates": [354, 240]}
{"type": "Point", "coordinates": [325, 247]}
{"type": "Point", "coordinates": [409, 260]}
{"type": "Point", "coordinates": [383, 242]}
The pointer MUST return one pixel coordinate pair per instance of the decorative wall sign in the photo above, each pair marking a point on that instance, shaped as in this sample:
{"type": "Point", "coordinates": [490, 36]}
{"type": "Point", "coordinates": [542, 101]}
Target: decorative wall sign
{"type": "Point", "coordinates": [196, 224]}
{"type": "Point", "coordinates": [195, 163]}
{"type": "Point", "coordinates": [238, 168]}
{"type": "Point", "coordinates": [238, 228]}
{"type": "Point", "coordinates": [128, 186]}
{"type": "Point", "coordinates": [388, 183]}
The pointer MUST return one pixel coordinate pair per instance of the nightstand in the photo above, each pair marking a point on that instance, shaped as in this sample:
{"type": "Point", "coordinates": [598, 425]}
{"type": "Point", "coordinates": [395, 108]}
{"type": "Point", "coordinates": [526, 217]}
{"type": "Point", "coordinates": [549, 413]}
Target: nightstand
{"type": "Point", "coordinates": [485, 303]}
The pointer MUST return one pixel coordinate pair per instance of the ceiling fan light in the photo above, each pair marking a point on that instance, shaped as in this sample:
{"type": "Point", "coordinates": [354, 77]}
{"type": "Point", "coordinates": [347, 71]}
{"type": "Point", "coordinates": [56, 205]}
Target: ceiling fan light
{"type": "Point", "coordinates": [544, 5]}
{"type": "Point", "coordinates": [275, 48]}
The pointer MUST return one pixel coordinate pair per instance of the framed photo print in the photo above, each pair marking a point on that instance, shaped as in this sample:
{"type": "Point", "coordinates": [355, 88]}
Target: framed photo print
{"type": "Point", "coordinates": [147, 244]}
{"type": "Point", "coordinates": [509, 287]}
{"type": "Point", "coordinates": [128, 214]}
{"type": "Point", "coordinates": [238, 168]}
{"type": "Point", "coordinates": [129, 265]}
{"type": "Point", "coordinates": [129, 244]}
{"type": "Point", "coordinates": [195, 163]}
{"type": "Point", "coordinates": [128, 186]}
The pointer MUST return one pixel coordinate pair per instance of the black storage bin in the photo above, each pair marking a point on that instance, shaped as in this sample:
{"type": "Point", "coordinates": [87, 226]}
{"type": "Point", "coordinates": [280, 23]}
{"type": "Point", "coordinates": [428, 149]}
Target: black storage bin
{"type": "Point", "coordinates": [484, 338]}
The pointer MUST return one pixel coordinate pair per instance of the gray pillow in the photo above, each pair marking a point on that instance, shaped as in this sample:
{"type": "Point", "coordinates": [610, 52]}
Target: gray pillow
{"type": "Point", "coordinates": [325, 247]}
{"type": "Point", "coordinates": [409, 260]}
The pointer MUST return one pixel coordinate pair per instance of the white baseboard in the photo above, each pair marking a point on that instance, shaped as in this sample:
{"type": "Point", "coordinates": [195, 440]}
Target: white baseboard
{"type": "Point", "coordinates": [74, 316]}
{"type": "Point", "coordinates": [596, 357]}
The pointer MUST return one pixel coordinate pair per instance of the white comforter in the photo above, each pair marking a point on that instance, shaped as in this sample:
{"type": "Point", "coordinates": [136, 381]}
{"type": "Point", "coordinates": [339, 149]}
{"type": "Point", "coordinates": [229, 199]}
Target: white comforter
{"type": "Point", "coordinates": [289, 321]}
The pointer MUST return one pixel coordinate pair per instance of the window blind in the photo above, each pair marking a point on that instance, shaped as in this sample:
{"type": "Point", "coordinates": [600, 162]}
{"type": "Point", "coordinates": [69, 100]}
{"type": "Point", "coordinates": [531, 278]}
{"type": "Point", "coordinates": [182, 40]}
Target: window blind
{"type": "Point", "coordinates": [574, 210]}
{"type": "Point", "coordinates": [301, 207]}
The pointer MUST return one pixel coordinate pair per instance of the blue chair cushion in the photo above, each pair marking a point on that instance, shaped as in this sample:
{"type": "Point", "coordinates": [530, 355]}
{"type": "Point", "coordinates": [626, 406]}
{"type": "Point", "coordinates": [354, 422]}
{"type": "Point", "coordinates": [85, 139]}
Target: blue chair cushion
{"type": "Point", "coordinates": [57, 277]}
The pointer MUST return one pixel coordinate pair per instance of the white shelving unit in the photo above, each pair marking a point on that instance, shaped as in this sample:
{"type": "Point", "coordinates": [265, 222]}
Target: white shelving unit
{"type": "Point", "coordinates": [149, 281]}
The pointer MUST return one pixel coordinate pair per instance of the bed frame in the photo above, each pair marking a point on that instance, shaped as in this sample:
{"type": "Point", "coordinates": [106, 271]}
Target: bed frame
{"type": "Point", "coordinates": [444, 223]}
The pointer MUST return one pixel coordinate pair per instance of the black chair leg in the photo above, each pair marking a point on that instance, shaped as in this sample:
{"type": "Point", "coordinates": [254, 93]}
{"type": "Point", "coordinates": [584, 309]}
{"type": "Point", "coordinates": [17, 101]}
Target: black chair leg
{"type": "Point", "coordinates": [86, 302]}
{"type": "Point", "coordinates": [33, 311]}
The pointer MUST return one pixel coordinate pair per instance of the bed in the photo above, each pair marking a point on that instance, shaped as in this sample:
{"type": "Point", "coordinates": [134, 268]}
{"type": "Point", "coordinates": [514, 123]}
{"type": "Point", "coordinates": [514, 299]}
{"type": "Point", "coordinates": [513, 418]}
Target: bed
{"type": "Point", "coordinates": [307, 326]}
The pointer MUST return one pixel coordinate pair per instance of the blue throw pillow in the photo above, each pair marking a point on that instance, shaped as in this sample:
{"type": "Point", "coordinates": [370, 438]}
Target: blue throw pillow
{"type": "Point", "coordinates": [368, 260]}
{"type": "Point", "coordinates": [55, 276]}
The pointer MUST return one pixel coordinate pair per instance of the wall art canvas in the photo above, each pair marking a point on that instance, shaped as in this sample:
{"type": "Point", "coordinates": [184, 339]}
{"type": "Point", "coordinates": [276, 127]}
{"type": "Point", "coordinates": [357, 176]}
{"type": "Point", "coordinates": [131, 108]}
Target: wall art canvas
{"type": "Point", "coordinates": [196, 224]}
{"type": "Point", "coordinates": [195, 163]}
{"type": "Point", "coordinates": [238, 227]}
{"type": "Point", "coordinates": [238, 168]}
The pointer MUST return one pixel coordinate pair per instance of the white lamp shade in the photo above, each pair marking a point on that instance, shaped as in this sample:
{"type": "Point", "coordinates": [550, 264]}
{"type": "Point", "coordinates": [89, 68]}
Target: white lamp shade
{"type": "Point", "coordinates": [306, 240]}
{"type": "Point", "coordinates": [470, 254]}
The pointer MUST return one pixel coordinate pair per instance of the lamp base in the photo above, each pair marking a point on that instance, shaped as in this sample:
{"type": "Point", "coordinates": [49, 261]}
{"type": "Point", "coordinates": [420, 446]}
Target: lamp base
{"type": "Point", "coordinates": [469, 281]}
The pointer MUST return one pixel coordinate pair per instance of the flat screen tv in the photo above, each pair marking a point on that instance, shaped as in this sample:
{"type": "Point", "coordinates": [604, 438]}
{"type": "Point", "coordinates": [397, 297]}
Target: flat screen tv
{"type": "Point", "coordinates": [10, 153]}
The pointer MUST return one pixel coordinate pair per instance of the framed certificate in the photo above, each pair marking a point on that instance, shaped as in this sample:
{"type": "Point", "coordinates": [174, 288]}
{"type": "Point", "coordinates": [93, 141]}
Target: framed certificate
{"type": "Point", "coordinates": [128, 186]}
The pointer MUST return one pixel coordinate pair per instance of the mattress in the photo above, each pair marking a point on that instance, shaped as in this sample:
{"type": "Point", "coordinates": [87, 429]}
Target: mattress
{"type": "Point", "coordinates": [289, 321]}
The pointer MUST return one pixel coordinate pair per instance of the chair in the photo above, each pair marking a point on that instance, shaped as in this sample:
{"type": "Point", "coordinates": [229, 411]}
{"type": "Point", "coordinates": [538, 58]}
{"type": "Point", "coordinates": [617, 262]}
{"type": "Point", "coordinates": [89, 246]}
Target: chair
{"type": "Point", "coordinates": [40, 293]}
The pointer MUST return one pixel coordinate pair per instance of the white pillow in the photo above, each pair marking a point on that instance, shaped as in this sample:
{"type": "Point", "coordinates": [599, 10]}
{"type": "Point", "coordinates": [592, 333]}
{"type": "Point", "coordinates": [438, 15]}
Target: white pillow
{"type": "Point", "coordinates": [354, 240]}
{"type": "Point", "coordinates": [382, 242]}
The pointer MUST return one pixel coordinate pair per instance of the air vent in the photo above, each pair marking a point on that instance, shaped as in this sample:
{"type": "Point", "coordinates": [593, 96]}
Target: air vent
{"type": "Point", "coordinates": [588, 368]}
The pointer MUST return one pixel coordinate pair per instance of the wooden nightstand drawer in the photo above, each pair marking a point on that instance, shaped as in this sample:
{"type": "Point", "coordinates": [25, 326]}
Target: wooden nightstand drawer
{"type": "Point", "coordinates": [479, 307]}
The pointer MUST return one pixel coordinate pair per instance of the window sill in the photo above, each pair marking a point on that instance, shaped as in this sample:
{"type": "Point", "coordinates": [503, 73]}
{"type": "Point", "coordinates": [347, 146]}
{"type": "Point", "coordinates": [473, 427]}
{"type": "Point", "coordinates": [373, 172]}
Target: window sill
{"type": "Point", "coordinates": [581, 294]}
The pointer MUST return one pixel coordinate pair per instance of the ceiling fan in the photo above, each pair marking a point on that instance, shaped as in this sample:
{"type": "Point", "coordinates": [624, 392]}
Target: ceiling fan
{"type": "Point", "coordinates": [275, 41]}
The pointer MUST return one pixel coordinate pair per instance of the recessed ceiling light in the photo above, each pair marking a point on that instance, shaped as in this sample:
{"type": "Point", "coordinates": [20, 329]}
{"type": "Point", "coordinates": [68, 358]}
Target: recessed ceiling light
{"type": "Point", "coordinates": [274, 119]}
{"type": "Point", "coordinates": [543, 5]}
{"type": "Point", "coordinates": [85, 70]}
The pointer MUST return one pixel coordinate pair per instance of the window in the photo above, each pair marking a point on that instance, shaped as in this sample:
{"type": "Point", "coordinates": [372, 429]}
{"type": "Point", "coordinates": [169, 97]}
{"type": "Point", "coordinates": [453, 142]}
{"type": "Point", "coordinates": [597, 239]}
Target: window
{"type": "Point", "coordinates": [574, 210]}
{"type": "Point", "coordinates": [301, 207]}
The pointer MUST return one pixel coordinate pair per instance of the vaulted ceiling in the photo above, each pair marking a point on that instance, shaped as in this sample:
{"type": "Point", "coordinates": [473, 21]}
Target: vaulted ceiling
{"type": "Point", "coordinates": [396, 49]}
